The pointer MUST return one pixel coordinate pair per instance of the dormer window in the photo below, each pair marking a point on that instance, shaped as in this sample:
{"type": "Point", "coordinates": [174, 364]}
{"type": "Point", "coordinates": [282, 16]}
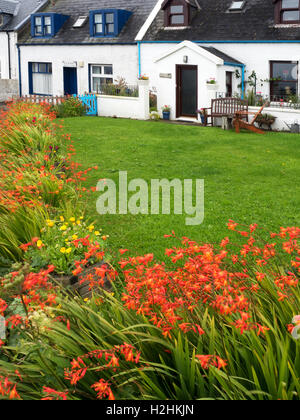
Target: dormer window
{"type": "Point", "coordinates": [45, 25]}
{"type": "Point", "coordinates": [42, 26]}
{"type": "Point", "coordinates": [290, 11]}
{"type": "Point", "coordinates": [107, 23]}
{"type": "Point", "coordinates": [176, 13]}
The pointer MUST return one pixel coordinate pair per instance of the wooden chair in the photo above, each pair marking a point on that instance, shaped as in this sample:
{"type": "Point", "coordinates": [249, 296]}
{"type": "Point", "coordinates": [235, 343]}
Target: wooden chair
{"type": "Point", "coordinates": [239, 123]}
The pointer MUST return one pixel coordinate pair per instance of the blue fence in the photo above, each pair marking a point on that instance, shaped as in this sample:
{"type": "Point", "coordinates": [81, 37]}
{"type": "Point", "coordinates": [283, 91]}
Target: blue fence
{"type": "Point", "coordinates": [90, 102]}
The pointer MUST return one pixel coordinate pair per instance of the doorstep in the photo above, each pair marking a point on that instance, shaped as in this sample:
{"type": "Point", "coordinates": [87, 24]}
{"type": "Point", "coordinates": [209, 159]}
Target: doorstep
{"type": "Point", "coordinates": [188, 120]}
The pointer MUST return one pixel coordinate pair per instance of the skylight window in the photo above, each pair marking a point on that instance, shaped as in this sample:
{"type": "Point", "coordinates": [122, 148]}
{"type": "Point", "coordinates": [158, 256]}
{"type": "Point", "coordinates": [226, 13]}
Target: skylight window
{"type": "Point", "coordinates": [80, 22]}
{"type": "Point", "coordinates": [237, 6]}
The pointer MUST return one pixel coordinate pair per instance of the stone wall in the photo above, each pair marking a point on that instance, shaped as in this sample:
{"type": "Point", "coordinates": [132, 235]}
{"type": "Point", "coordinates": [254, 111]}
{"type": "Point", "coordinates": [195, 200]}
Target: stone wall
{"type": "Point", "coordinates": [8, 89]}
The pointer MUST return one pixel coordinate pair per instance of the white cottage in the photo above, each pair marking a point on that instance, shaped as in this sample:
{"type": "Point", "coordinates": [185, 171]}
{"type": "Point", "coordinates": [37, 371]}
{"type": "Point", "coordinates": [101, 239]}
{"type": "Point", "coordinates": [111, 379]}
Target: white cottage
{"type": "Point", "coordinates": [74, 47]}
{"type": "Point", "coordinates": [242, 44]}
{"type": "Point", "coordinates": [14, 15]}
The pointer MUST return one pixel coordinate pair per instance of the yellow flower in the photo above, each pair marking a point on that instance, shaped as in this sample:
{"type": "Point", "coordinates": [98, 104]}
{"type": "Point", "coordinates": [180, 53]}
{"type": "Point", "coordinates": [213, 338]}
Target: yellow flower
{"type": "Point", "coordinates": [63, 250]}
{"type": "Point", "coordinates": [91, 228]}
{"type": "Point", "coordinates": [39, 244]}
{"type": "Point", "coordinates": [62, 219]}
{"type": "Point", "coordinates": [81, 218]}
{"type": "Point", "coordinates": [72, 219]}
{"type": "Point", "coordinates": [97, 233]}
{"type": "Point", "coordinates": [86, 299]}
{"type": "Point", "coordinates": [68, 251]}
{"type": "Point", "coordinates": [50, 223]}
{"type": "Point", "coordinates": [64, 227]}
{"type": "Point", "coordinates": [78, 222]}
{"type": "Point", "coordinates": [74, 237]}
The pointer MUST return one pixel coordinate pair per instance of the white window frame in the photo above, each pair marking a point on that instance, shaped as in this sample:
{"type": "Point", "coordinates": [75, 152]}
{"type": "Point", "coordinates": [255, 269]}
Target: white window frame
{"type": "Point", "coordinates": [101, 75]}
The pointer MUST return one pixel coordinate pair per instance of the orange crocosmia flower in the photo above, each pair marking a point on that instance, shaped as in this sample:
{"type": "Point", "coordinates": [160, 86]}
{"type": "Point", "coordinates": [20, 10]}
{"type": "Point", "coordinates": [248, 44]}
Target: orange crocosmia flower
{"type": "Point", "coordinates": [123, 251]}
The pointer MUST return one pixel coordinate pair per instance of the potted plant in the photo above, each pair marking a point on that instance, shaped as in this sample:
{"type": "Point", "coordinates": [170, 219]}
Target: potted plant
{"type": "Point", "coordinates": [203, 115]}
{"type": "Point", "coordinates": [166, 111]}
{"type": "Point", "coordinates": [265, 119]}
{"type": "Point", "coordinates": [211, 83]}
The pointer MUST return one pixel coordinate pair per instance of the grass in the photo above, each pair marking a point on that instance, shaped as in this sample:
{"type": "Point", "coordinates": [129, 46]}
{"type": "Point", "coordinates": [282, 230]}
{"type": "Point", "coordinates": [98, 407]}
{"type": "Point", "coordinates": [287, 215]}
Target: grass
{"type": "Point", "coordinates": [249, 178]}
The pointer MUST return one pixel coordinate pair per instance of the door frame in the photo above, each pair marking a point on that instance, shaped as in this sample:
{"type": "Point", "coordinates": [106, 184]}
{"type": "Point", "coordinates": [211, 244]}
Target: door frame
{"type": "Point", "coordinates": [179, 68]}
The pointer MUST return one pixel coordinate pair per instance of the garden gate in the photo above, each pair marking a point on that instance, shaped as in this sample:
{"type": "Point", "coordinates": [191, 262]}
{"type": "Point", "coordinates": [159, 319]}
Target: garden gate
{"type": "Point", "coordinates": [90, 102]}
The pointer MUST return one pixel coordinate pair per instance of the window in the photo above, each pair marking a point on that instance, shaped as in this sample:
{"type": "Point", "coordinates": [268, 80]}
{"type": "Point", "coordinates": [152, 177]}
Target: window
{"type": "Point", "coordinates": [101, 74]}
{"type": "Point", "coordinates": [42, 26]}
{"type": "Point", "coordinates": [237, 6]}
{"type": "Point", "coordinates": [80, 22]}
{"type": "Point", "coordinates": [176, 13]}
{"type": "Point", "coordinates": [108, 22]}
{"type": "Point", "coordinates": [40, 78]}
{"type": "Point", "coordinates": [290, 11]}
{"type": "Point", "coordinates": [46, 25]}
{"type": "Point", "coordinates": [284, 79]}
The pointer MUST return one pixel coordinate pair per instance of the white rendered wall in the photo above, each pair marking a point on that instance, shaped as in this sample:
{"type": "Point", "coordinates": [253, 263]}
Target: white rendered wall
{"type": "Point", "coordinates": [284, 117]}
{"type": "Point", "coordinates": [4, 61]}
{"type": "Point", "coordinates": [255, 56]}
{"type": "Point", "coordinates": [166, 87]}
{"type": "Point", "coordinates": [125, 107]}
{"type": "Point", "coordinates": [124, 59]}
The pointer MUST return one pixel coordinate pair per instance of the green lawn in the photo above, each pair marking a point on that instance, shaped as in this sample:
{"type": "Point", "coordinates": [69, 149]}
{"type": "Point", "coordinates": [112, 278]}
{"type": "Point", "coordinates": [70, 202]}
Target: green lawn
{"type": "Point", "coordinates": [249, 178]}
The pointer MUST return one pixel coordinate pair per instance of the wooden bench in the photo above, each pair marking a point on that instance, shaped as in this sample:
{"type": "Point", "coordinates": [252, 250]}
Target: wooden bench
{"type": "Point", "coordinates": [225, 108]}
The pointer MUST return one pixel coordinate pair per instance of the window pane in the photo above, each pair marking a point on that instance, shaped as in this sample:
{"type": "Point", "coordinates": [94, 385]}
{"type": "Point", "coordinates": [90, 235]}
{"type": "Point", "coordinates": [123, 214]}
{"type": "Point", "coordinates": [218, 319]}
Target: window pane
{"type": "Point", "coordinates": [35, 67]}
{"type": "Point", "coordinates": [177, 20]}
{"type": "Point", "coordinates": [98, 18]}
{"type": "Point", "coordinates": [48, 30]}
{"type": "Point", "coordinates": [42, 84]}
{"type": "Point", "coordinates": [110, 28]}
{"type": "Point", "coordinates": [109, 18]}
{"type": "Point", "coordinates": [96, 84]}
{"type": "Point", "coordinates": [176, 9]}
{"type": "Point", "coordinates": [38, 21]}
{"type": "Point", "coordinates": [108, 70]}
{"type": "Point", "coordinates": [285, 71]}
{"type": "Point", "coordinates": [38, 30]}
{"type": "Point", "coordinates": [42, 68]}
{"type": "Point", "coordinates": [290, 4]}
{"type": "Point", "coordinates": [47, 20]}
{"type": "Point", "coordinates": [283, 89]}
{"type": "Point", "coordinates": [99, 28]}
{"type": "Point", "coordinates": [96, 70]}
{"type": "Point", "coordinates": [291, 16]}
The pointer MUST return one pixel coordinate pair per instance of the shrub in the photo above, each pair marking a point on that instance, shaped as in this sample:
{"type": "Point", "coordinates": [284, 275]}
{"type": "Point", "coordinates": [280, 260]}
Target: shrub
{"type": "Point", "coordinates": [71, 107]}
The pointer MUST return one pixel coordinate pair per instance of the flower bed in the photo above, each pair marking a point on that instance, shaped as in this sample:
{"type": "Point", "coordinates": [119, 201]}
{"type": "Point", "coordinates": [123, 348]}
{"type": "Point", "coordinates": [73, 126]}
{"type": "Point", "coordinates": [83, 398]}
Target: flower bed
{"type": "Point", "coordinates": [219, 321]}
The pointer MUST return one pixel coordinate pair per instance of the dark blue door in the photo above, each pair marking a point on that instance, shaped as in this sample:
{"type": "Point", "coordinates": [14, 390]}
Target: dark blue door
{"type": "Point", "coordinates": [70, 81]}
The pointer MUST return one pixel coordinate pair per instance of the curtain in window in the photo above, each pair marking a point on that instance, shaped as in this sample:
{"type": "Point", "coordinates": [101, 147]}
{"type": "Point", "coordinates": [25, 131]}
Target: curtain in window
{"type": "Point", "coordinates": [42, 83]}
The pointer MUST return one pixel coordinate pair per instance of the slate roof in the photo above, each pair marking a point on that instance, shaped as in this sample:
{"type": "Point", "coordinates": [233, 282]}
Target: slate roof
{"type": "Point", "coordinates": [8, 7]}
{"type": "Point", "coordinates": [221, 55]}
{"type": "Point", "coordinates": [214, 22]}
{"type": "Point", "coordinates": [21, 9]}
{"type": "Point", "coordinates": [75, 8]}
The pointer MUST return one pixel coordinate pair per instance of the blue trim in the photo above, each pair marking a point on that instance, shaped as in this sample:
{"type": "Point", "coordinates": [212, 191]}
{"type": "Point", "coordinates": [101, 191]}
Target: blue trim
{"type": "Point", "coordinates": [242, 66]}
{"type": "Point", "coordinates": [140, 58]}
{"type": "Point", "coordinates": [120, 18]}
{"type": "Point", "coordinates": [57, 21]}
{"type": "Point", "coordinates": [226, 42]}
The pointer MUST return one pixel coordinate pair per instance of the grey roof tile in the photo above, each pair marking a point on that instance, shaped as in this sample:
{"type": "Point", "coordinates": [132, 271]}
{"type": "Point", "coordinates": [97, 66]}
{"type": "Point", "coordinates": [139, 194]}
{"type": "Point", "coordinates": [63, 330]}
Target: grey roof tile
{"type": "Point", "coordinates": [23, 11]}
{"type": "Point", "coordinates": [75, 8]}
{"type": "Point", "coordinates": [214, 22]}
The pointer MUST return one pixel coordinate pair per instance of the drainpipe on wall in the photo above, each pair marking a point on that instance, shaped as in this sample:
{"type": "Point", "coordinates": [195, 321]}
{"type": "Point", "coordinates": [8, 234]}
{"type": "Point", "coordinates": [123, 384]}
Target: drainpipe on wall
{"type": "Point", "coordinates": [8, 53]}
{"type": "Point", "coordinates": [140, 58]}
{"type": "Point", "coordinates": [20, 72]}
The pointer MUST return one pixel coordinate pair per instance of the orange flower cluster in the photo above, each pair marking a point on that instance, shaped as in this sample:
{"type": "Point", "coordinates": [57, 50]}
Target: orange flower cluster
{"type": "Point", "coordinates": [208, 277]}
{"type": "Point", "coordinates": [52, 395]}
{"type": "Point", "coordinates": [81, 365]}
{"type": "Point", "coordinates": [8, 389]}
{"type": "Point", "coordinates": [211, 361]}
